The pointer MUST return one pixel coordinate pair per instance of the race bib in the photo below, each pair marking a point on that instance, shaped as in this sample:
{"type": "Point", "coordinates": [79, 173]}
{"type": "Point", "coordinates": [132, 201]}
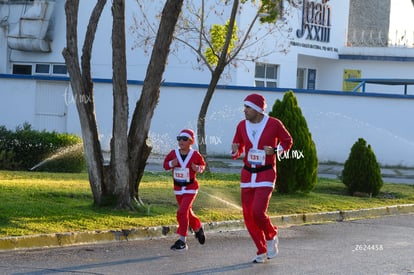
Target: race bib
{"type": "Point", "coordinates": [256, 157]}
{"type": "Point", "coordinates": [181, 174]}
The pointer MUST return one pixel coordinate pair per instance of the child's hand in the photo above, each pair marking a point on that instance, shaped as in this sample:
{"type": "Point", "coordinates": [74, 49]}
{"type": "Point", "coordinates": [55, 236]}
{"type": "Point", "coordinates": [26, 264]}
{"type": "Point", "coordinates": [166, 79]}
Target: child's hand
{"type": "Point", "coordinates": [174, 162]}
{"type": "Point", "coordinates": [195, 167]}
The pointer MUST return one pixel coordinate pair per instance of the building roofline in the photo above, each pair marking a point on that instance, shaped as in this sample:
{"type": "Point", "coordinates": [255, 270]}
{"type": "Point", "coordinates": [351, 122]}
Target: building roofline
{"type": "Point", "coordinates": [225, 87]}
{"type": "Point", "coordinates": [398, 54]}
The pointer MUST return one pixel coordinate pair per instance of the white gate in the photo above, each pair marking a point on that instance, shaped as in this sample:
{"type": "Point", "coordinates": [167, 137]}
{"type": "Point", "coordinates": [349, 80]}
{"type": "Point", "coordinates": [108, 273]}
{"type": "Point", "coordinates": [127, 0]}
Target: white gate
{"type": "Point", "coordinates": [51, 107]}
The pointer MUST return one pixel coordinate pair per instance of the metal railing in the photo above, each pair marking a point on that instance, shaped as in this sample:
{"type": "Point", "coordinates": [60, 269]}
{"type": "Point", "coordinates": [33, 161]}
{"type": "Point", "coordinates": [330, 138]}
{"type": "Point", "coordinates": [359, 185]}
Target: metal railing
{"type": "Point", "coordinates": [380, 38]}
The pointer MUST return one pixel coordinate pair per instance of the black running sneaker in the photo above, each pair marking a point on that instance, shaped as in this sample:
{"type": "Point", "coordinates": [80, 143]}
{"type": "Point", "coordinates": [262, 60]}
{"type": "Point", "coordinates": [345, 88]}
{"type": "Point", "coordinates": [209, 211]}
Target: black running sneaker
{"type": "Point", "coordinates": [179, 245]}
{"type": "Point", "coordinates": [200, 236]}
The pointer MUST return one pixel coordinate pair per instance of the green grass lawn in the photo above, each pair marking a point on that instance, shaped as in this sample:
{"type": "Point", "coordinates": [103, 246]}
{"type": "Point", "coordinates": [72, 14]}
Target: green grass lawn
{"type": "Point", "coordinates": [35, 202]}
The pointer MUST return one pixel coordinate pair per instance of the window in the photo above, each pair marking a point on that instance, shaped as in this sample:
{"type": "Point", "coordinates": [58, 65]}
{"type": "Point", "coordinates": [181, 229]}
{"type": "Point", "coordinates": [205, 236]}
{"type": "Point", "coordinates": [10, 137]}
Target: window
{"type": "Point", "coordinates": [301, 78]}
{"type": "Point", "coordinates": [60, 69]}
{"type": "Point", "coordinates": [46, 69]}
{"type": "Point", "coordinates": [311, 79]}
{"type": "Point", "coordinates": [306, 79]}
{"type": "Point", "coordinates": [22, 69]}
{"type": "Point", "coordinates": [266, 75]}
{"type": "Point", "coordinates": [17, 1]}
{"type": "Point", "coordinates": [42, 68]}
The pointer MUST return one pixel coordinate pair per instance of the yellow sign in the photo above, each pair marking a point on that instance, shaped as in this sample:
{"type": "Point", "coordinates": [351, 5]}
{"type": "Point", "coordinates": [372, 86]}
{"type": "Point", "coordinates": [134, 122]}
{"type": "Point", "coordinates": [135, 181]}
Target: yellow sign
{"type": "Point", "coordinates": [349, 86]}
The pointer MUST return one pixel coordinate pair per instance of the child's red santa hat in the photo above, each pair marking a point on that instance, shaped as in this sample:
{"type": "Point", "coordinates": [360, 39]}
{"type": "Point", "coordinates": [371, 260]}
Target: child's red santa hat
{"type": "Point", "coordinates": [256, 102]}
{"type": "Point", "coordinates": [187, 133]}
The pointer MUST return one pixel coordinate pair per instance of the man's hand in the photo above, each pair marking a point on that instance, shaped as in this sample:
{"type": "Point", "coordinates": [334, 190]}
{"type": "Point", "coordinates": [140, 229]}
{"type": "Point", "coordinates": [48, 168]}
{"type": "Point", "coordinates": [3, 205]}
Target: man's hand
{"type": "Point", "coordinates": [268, 150]}
{"type": "Point", "coordinates": [234, 148]}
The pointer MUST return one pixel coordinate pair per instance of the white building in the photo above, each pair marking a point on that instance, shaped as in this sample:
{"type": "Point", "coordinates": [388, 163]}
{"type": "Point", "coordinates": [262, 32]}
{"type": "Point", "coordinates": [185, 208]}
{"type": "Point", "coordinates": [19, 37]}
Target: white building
{"type": "Point", "coordinates": [323, 43]}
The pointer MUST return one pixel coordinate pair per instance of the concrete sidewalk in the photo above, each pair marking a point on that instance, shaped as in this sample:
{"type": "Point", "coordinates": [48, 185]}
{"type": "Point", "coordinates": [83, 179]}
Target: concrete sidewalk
{"type": "Point", "coordinates": [333, 171]}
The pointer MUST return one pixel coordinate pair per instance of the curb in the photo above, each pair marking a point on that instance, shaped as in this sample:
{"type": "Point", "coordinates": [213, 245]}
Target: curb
{"type": "Point", "coordinates": [93, 237]}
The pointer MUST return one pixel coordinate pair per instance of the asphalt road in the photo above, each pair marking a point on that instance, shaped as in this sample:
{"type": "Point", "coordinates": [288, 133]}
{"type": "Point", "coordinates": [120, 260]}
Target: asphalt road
{"type": "Point", "coordinates": [370, 246]}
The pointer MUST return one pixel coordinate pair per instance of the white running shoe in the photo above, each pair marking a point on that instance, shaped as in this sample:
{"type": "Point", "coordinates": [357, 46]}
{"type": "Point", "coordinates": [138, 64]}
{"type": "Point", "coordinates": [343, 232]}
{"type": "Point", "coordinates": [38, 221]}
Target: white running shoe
{"type": "Point", "coordinates": [259, 258]}
{"type": "Point", "coordinates": [272, 248]}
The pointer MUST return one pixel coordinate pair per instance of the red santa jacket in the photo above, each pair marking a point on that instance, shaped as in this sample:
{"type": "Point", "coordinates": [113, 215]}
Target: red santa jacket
{"type": "Point", "coordinates": [184, 177]}
{"type": "Point", "coordinates": [252, 137]}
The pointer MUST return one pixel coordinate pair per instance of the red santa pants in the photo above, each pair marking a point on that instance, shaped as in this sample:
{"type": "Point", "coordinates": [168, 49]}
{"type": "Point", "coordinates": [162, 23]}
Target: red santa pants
{"type": "Point", "coordinates": [255, 202]}
{"type": "Point", "coordinates": [185, 214]}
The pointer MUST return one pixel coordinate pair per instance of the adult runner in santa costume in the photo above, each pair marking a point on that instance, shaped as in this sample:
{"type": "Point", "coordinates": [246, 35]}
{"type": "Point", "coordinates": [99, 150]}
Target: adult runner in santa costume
{"type": "Point", "coordinates": [261, 138]}
{"type": "Point", "coordinates": [185, 162]}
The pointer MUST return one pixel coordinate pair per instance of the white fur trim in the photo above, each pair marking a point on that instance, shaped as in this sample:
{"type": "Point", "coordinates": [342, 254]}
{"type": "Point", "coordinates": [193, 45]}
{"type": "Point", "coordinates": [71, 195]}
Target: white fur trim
{"type": "Point", "coordinates": [184, 134]}
{"type": "Point", "coordinates": [184, 191]}
{"type": "Point", "coordinates": [254, 106]}
{"type": "Point", "coordinates": [256, 184]}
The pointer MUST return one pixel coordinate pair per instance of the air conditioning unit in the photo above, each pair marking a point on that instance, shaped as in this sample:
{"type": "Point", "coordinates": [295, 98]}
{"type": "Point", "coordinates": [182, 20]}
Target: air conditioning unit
{"type": "Point", "coordinates": [30, 32]}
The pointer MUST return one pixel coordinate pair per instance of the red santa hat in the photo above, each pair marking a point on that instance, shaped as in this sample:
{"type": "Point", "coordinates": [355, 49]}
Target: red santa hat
{"type": "Point", "coordinates": [256, 102]}
{"type": "Point", "coordinates": [187, 133]}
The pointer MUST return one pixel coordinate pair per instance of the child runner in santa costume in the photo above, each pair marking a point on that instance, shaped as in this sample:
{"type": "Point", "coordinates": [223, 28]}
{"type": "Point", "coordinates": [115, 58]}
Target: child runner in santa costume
{"type": "Point", "coordinates": [185, 162]}
{"type": "Point", "coordinates": [261, 138]}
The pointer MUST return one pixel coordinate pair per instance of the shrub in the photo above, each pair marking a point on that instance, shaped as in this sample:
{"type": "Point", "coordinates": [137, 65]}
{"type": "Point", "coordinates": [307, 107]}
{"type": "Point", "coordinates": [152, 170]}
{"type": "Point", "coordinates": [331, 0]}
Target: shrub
{"type": "Point", "coordinates": [7, 160]}
{"type": "Point", "coordinates": [298, 169]}
{"type": "Point", "coordinates": [361, 171]}
{"type": "Point", "coordinates": [67, 159]}
{"type": "Point", "coordinates": [31, 147]}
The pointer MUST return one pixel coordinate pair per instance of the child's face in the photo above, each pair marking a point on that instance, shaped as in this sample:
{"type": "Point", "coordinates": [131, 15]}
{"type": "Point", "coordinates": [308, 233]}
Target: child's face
{"type": "Point", "coordinates": [184, 143]}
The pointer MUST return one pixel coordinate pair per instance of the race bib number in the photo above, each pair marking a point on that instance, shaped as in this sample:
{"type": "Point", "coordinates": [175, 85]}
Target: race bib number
{"type": "Point", "coordinates": [181, 174]}
{"type": "Point", "coordinates": [256, 157]}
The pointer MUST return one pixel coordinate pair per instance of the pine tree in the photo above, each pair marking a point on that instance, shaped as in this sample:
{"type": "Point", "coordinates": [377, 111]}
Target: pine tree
{"type": "Point", "coordinates": [297, 170]}
{"type": "Point", "coordinates": [361, 171]}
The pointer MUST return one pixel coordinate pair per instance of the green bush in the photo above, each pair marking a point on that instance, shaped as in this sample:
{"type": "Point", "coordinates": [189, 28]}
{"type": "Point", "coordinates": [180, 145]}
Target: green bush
{"type": "Point", "coordinates": [68, 159]}
{"type": "Point", "coordinates": [361, 171]}
{"type": "Point", "coordinates": [28, 148]}
{"type": "Point", "coordinates": [8, 161]}
{"type": "Point", "coordinates": [298, 169]}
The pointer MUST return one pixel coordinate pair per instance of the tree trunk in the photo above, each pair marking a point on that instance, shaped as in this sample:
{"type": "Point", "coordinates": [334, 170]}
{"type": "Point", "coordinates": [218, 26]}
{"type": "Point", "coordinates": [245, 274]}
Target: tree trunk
{"type": "Point", "coordinates": [139, 147]}
{"type": "Point", "coordinates": [119, 143]}
{"type": "Point", "coordinates": [82, 88]}
{"type": "Point", "coordinates": [129, 151]}
{"type": "Point", "coordinates": [201, 121]}
{"type": "Point", "coordinates": [221, 64]}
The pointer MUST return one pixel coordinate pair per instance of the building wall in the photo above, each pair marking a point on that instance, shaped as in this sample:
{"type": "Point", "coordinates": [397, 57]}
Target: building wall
{"type": "Point", "coordinates": [335, 119]}
{"type": "Point", "coordinates": [289, 51]}
{"type": "Point", "coordinates": [330, 75]}
{"type": "Point", "coordinates": [182, 62]}
{"type": "Point", "coordinates": [339, 117]}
